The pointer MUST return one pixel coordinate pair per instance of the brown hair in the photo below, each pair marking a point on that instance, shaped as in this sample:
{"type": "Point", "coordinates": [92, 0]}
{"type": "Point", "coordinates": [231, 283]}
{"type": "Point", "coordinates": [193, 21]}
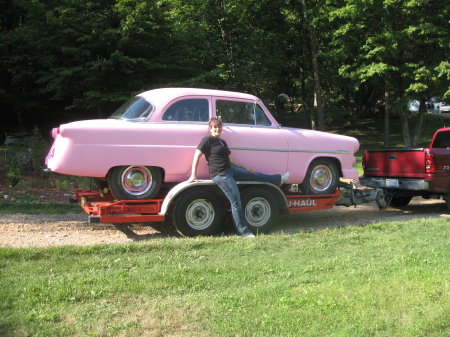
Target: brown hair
{"type": "Point", "coordinates": [214, 121]}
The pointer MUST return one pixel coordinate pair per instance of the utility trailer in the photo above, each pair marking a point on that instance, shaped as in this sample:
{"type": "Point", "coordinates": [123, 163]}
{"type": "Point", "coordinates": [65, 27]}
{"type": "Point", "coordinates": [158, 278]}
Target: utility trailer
{"type": "Point", "coordinates": [199, 208]}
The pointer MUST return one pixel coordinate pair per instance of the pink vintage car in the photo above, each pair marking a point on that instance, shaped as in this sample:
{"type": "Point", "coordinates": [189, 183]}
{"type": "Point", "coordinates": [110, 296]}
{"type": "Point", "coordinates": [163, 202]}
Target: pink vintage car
{"type": "Point", "coordinates": [150, 141]}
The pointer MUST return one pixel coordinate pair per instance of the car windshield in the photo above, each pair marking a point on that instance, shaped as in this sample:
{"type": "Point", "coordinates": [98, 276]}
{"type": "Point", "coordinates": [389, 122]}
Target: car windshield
{"type": "Point", "coordinates": [137, 108]}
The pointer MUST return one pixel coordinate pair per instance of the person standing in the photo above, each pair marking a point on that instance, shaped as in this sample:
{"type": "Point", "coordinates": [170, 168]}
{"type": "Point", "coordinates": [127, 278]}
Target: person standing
{"type": "Point", "coordinates": [224, 171]}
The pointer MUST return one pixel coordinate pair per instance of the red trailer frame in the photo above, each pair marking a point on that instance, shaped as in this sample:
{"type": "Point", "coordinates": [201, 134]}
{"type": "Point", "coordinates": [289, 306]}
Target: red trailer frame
{"type": "Point", "coordinates": [102, 208]}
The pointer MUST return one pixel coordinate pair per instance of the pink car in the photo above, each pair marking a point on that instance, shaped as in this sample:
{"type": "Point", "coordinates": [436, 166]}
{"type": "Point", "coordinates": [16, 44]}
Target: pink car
{"type": "Point", "coordinates": [150, 141]}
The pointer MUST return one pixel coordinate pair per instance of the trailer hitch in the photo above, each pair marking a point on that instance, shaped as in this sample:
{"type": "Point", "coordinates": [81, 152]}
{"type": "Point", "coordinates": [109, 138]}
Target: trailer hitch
{"type": "Point", "coordinates": [352, 196]}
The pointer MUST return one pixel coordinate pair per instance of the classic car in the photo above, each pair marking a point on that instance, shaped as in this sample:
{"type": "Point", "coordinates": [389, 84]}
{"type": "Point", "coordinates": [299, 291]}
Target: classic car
{"type": "Point", "coordinates": [150, 141]}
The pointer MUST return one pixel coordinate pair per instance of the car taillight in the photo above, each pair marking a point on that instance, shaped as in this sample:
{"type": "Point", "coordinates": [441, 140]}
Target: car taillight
{"type": "Point", "coordinates": [430, 165]}
{"type": "Point", "coordinates": [54, 132]}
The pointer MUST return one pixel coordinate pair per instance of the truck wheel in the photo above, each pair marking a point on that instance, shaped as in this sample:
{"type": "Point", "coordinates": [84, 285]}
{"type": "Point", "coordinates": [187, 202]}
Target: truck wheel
{"type": "Point", "coordinates": [260, 209]}
{"type": "Point", "coordinates": [322, 177]}
{"type": "Point", "coordinates": [198, 212]}
{"type": "Point", "coordinates": [134, 182]}
{"type": "Point", "coordinates": [400, 201]}
{"type": "Point", "coordinates": [447, 201]}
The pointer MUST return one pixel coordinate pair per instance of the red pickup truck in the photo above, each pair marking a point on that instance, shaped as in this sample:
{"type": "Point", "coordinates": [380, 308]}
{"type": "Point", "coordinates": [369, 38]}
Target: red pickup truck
{"type": "Point", "coordinates": [405, 173]}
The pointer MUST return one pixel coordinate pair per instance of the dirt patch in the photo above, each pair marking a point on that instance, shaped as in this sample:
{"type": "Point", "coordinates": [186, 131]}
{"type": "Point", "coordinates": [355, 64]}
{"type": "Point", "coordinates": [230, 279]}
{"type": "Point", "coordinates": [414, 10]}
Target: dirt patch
{"type": "Point", "coordinates": [21, 230]}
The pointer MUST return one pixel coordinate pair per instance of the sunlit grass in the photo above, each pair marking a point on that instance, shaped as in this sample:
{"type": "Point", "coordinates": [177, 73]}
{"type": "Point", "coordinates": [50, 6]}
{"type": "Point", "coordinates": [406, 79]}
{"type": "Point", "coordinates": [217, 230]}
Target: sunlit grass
{"type": "Point", "coordinates": [386, 279]}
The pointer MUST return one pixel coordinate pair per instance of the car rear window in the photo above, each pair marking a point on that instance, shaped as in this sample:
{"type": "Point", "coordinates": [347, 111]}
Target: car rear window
{"type": "Point", "coordinates": [137, 108]}
{"type": "Point", "coordinates": [241, 113]}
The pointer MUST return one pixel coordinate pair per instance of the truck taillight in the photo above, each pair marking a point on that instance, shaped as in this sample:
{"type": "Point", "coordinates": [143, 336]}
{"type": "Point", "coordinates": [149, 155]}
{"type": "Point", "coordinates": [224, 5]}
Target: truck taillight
{"type": "Point", "coordinates": [430, 165]}
{"type": "Point", "coordinates": [54, 132]}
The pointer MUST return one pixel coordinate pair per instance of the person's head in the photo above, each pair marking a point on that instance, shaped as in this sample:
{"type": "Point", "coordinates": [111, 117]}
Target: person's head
{"type": "Point", "coordinates": [215, 127]}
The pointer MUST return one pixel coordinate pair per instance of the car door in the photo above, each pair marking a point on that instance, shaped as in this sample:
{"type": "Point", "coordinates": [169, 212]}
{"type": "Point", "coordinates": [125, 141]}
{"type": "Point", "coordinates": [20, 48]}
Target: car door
{"type": "Point", "coordinates": [183, 122]}
{"type": "Point", "coordinates": [254, 140]}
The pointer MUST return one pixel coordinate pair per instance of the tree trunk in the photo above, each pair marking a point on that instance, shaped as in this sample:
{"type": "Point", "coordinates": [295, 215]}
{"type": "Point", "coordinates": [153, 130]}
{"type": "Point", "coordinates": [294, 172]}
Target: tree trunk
{"type": "Point", "coordinates": [412, 140]}
{"type": "Point", "coordinates": [419, 124]}
{"type": "Point", "coordinates": [405, 128]}
{"type": "Point", "coordinates": [387, 109]}
{"type": "Point", "coordinates": [315, 66]}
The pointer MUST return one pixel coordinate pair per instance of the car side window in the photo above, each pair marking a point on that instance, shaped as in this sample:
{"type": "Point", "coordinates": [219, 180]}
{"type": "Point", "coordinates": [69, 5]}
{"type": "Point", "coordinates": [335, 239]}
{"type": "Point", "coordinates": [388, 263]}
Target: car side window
{"type": "Point", "coordinates": [194, 110]}
{"type": "Point", "coordinates": [241, 113]}
{"type": "Point", "coordinates": [442, 140]}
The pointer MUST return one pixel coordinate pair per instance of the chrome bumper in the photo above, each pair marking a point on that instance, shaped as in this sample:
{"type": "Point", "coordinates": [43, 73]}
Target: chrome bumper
{"type": "Point", "coordinates": [394, 183]}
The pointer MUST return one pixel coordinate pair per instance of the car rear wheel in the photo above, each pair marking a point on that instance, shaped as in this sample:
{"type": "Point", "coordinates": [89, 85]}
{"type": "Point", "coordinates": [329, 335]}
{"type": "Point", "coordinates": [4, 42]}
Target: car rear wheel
{"type": "Point", "coordinates": [322, 177]}
{"type": "Point", "coordinates": [198, 212]}
{"type": "Point", "coordinates": [134, 182]}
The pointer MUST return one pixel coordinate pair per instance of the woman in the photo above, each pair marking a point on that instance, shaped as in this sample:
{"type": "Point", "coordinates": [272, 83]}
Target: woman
{"type": "Point", "coordinates": [224, 171]}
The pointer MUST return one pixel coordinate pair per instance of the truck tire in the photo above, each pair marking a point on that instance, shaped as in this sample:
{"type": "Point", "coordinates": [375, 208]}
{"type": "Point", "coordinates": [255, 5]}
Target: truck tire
{"type": "Point", "coordinates": [321, 178]}
{"type": "Point", "coordinates": [400, 201]}
{"type": "Point", "coordinates": [134, 182]}
{"type": "Point", "coordinates": [260, 208]}
{"type": "Point", "coordinates": [447, 201]}
{"type": "Point", "coordinates": [198, 212]}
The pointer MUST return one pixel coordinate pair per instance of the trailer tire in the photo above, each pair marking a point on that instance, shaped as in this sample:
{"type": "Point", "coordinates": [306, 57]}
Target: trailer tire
{"type": "Point", "coordinates": [198, 212]}
{"type": "Point", "coordinates": [399, 201]}
{"type": "Point", "coordinates": [321, 178]}
{"type": "Point", "coordinates": [260, 209]}
{"type": "Point", "coordinates": [134, 182]}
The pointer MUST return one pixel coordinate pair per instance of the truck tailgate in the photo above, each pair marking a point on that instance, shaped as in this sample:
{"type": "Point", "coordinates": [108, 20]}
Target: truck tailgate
{"type": "Point", "coordinates": [394, 163]}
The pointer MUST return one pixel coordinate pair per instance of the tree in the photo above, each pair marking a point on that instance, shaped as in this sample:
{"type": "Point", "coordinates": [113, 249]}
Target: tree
{"type": "Point", "coordinates": [398, 43]}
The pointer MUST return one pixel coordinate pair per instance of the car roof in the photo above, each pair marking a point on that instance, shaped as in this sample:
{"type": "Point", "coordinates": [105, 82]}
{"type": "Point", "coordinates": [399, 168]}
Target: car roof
{"type": "Point", "coordinates": [163, 96]}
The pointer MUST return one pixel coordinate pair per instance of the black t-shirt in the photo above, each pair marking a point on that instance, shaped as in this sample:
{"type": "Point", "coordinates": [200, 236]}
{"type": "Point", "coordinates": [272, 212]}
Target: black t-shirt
{"type": "Point", "coordinates": [217, 154]}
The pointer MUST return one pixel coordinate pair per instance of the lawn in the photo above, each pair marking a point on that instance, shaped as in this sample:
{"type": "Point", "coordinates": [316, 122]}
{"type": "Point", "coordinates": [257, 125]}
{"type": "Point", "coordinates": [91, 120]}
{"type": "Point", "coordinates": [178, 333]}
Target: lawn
{"type": "Point", "coordinates": [385, 279]}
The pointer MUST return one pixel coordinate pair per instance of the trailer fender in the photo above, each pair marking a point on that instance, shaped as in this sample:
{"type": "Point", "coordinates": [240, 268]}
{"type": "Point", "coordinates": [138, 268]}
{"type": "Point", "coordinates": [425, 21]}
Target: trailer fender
{"type": "Point", "coordinates": [179, 188]}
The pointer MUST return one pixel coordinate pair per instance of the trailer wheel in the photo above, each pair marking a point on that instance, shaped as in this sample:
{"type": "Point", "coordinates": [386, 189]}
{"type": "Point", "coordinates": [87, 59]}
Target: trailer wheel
{"type": "Point", "coordinates": [134, 182]}
{"type": "Point", "coordinates": [322, 177]}
{"type": "Point", "coordinates": [260, 209]}
{"type": "Point", "coordinates": [400, 201]}
{"type": "Point", "coordinates": [198, 212]}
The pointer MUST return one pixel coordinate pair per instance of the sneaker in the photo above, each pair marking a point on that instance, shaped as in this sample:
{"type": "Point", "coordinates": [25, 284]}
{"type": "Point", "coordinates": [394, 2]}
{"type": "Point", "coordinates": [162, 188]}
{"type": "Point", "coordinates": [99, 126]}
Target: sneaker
{"type": "Point", "coordinates": [251, 235]}
{"type": "Point", "coordinates": [284, 177]}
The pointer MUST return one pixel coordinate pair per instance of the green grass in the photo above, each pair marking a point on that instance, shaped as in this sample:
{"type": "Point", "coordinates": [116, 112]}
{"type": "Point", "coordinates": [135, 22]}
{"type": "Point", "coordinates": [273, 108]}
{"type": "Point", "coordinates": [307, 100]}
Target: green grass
{"type": "Point", "coordinates": [7, 207]}
{"type": "Point", "coordinates": [386, 279]}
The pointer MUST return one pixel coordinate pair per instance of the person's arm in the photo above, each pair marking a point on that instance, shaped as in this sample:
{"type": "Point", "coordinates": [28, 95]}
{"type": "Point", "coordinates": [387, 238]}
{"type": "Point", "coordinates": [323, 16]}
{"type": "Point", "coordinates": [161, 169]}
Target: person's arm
{"type": "Point", "coordinates": [235, 163]}
{"type": "Point", "coordinates": [195, 161]}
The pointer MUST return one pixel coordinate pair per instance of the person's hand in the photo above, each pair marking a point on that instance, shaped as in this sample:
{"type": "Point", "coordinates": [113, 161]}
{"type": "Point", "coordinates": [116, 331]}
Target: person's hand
{"type": "Point", "coordinates": [191, 179]}
{"type": "Point", "coordinates": [251, 171]}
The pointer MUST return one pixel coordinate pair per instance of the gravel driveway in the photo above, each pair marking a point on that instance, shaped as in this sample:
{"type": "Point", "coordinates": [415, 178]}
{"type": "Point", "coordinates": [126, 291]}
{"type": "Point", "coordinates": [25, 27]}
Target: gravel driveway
{"type": "Point", "coordinates": [23, 230]}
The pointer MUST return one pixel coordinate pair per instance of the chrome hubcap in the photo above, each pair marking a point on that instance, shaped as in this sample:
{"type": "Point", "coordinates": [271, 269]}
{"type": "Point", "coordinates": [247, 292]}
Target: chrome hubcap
{"type": "Point", "coordinates": [321, 178]}
{"type": "Point", "coordinates": [137, 180]}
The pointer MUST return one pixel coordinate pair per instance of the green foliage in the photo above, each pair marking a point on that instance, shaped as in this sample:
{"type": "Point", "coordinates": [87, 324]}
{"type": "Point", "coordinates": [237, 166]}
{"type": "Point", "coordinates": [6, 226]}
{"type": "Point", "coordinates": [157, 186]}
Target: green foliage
{"type": "Point", "coordinates": [62, 184]}
{"type": "Point", "coordinates": [38, 150]}
{"type": "Point", "coordinates": [13, 168]}
{"type": "Point", "coordinates": [385, 279]}
{"type": "Point", "coordinates": [88, 57]}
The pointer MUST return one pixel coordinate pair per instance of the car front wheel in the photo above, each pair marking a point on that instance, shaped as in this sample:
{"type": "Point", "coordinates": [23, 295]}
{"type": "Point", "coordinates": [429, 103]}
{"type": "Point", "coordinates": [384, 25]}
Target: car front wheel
{"type": "Point", "coordinates": [322, 178]}
{"type": "Point", "coordinates": [134, 182]}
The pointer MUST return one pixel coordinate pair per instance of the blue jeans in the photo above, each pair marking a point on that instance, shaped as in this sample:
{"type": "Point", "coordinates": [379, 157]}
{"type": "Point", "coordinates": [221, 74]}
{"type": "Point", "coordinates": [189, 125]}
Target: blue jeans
{"type": "Point", "coordinates": [241, 174]}
{"type": "Point", "coordinates": [227, 183]}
